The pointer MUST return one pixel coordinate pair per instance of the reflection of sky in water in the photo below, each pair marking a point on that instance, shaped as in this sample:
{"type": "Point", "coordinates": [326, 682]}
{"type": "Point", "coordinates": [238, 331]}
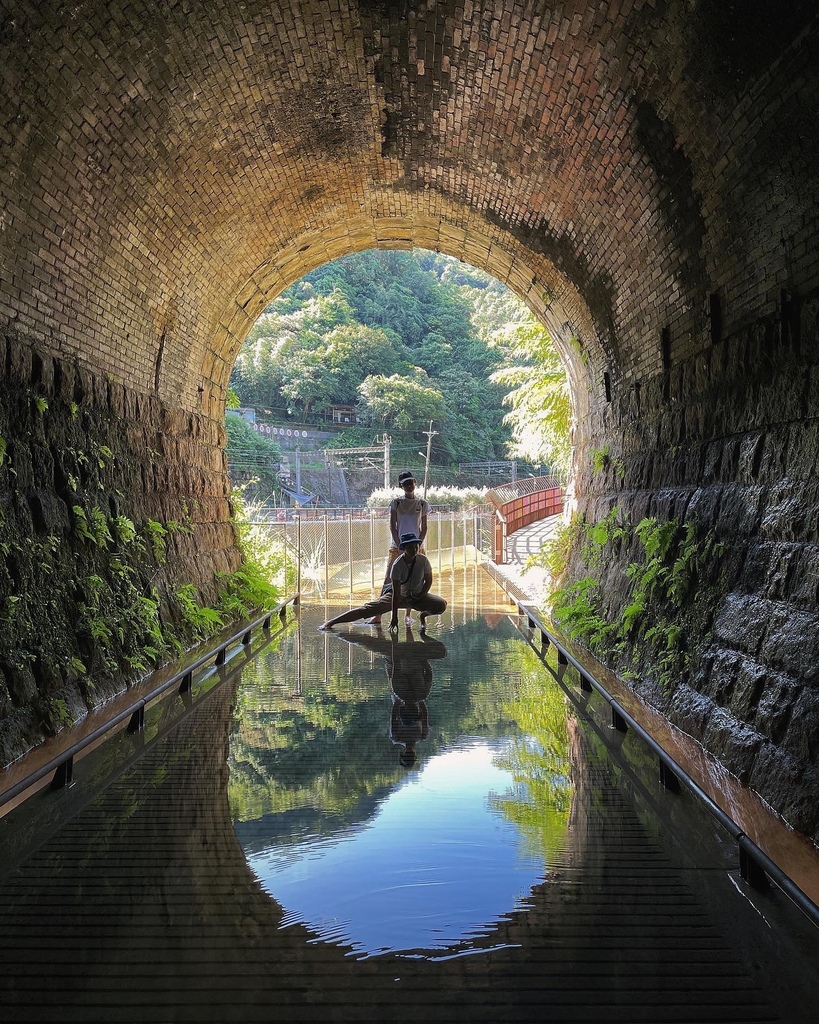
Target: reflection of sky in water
{"type": "Point", "coordinates": [435, 868]}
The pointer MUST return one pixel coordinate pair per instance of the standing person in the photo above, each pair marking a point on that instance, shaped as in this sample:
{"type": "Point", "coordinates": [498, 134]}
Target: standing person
{"type": "Point", "coordinates": [411, 579]}
{"type": "Point", "coordinates": [408, 514]}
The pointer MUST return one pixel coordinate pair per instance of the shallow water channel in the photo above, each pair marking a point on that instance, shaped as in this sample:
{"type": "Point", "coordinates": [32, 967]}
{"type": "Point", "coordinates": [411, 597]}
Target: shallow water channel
{"type": "Point", "coordinates": [347, 826]}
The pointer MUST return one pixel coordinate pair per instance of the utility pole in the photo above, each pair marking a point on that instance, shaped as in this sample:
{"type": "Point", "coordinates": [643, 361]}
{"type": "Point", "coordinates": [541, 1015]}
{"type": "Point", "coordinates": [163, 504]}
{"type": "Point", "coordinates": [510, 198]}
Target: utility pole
{"type": "Point", "coordinates": [430, 434]}
{"type": "Point", "coordinates": [329, 478]}
{"type": "Point", "coordinates": [387, 440]}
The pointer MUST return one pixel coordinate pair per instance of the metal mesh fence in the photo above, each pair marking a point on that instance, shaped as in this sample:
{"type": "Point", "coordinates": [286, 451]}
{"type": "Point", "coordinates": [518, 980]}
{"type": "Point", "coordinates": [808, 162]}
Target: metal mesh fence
{"type": "Point", "coordinates": [335, 555]}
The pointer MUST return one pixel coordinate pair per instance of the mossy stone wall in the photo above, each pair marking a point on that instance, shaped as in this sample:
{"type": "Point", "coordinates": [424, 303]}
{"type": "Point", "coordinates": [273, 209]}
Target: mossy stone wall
{"type": "Point", "coordinates": [727, 440]}
{"type": "Point", "coordinates": [109, 502]}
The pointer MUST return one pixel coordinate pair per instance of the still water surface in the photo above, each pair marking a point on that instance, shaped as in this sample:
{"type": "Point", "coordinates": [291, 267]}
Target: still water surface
{"type": "Point", "coordinates": [344, 827]}
{"type": "Point", "coordinates": [435, 867]}
{"type": "Point", "coordinates": [421, 834]}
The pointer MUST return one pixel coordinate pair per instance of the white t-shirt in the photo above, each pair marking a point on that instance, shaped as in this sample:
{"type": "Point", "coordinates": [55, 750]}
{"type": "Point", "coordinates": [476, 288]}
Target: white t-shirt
{"type": "Point", "coordinates": [410, 577]}
{"type": "Point", "coordinates": [409, 512]}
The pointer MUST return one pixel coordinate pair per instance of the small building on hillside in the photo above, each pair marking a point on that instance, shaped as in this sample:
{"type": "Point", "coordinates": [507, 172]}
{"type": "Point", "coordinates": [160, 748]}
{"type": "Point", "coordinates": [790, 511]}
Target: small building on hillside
{"type": "Point", "coordinates": [343, 414]}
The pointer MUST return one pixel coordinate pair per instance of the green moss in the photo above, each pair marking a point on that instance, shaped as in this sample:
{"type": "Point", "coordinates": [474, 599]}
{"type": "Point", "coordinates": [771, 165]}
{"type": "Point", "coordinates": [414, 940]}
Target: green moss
{"type": "Point", "coordinates": [654, 626]}
{"type": "Point", "coordinates": [602, 459]}
{"type": "Point", "coordinates": [87, 599]}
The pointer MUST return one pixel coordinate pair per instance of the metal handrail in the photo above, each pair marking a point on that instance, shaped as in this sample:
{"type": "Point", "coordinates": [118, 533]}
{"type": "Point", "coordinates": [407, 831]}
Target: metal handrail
{"type": "Point", "coordinates": [755, 864]}
{"type": "Point", "coordinates": [504, 493]}
{"type": "Point", "coordinates": [61, 765]}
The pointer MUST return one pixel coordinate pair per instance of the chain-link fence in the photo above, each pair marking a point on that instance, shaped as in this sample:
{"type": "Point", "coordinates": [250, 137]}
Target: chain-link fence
{"type": "Point", "coordinates": [334, 555]}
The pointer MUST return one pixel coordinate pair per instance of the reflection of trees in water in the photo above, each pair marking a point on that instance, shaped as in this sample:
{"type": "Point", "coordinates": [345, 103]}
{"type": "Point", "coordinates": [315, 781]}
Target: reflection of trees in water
{"type": "Point", "coordinates": [317, 749]}
{"type": "Point", "coordinates": [538, 760]}
{"type": "Point", "coordinates": [326, 752]}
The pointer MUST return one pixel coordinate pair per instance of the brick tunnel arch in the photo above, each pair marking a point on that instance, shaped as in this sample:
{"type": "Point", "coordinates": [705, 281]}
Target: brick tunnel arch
{"type": "Point", "coordinates": [544, 289]}
{"type": "Point", "coordinates": [641, 174]}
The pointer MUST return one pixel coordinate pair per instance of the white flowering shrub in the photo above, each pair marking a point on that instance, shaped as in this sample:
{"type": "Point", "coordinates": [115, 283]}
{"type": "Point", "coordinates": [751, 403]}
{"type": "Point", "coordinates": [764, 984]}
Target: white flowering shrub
{"type": "Point", "coordinates": [454, 498]}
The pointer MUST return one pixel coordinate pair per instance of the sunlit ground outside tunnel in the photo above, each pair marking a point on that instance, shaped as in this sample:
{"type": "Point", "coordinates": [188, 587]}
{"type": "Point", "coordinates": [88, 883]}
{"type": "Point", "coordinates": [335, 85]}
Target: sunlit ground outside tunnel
{"type": "Point", "coordinates": [262, 853]}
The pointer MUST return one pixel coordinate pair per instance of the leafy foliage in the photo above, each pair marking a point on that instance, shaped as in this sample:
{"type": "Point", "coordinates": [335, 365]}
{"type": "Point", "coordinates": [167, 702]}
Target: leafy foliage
{"type": "Point", "coordinates": [652, 623]}
{"type": "Point", "coordinates": [439, 497]}
{"type": "Point", "coordinates": [265, 558]}
{"type": "Point", "coordinates": [407, 337]}
{"type": "Point", "coordinates": [202, 620]}
{"type": "Point", "coordinates": [402, 402]}
{"type": "Point", "coordinates": [541, 409]}
{"type": "Point", "coordinates": [250, 451]}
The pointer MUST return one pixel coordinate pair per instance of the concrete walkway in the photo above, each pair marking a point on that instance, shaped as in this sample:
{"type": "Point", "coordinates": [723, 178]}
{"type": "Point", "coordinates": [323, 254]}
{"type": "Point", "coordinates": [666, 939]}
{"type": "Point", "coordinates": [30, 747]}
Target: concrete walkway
{"type": "Point", "coordinates": [528, 584]}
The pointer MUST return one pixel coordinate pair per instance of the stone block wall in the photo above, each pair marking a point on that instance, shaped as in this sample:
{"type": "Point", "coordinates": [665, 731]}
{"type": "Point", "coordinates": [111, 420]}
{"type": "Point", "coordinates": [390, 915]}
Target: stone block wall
{"type": "Point", "coordinates": [109, 502]}
{"type": "Point", "coordinates": [727, 440]}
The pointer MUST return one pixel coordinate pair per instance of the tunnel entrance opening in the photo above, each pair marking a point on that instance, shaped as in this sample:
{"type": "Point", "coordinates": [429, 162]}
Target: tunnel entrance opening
{"type": "Point", "coordinates": [367, 359]}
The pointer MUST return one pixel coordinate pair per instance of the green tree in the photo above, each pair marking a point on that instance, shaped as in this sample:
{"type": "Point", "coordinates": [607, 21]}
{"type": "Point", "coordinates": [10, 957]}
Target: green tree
{"type": "Point", "coordinates": [434, 321]}
{"type": "Point", "coordinates": [472, 426]}
{"type": "Point", "coordinates": [434, 353]}
{"type": "Point", "coordinates": [251, 452]}
{"type": "Point", "coordinates": [401, 402]}
{"type": "Point", "coordinates": [307, 382]}
{"type": "Point", "coordinates": [355, 352]}
{"type": "Point", "coordinates": [541, 408]}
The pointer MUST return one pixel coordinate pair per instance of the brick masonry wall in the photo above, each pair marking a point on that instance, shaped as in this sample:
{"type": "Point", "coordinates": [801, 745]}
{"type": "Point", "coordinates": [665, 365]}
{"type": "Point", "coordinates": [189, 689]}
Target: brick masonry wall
{"type": "Point", "coordinates": [641, 172]}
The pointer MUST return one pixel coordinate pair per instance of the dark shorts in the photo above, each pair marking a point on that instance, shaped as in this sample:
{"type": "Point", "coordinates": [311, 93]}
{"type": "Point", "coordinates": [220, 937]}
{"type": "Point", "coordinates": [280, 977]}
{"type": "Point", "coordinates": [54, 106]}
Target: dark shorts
{"type": "Point", "coordinates": [430, 604]}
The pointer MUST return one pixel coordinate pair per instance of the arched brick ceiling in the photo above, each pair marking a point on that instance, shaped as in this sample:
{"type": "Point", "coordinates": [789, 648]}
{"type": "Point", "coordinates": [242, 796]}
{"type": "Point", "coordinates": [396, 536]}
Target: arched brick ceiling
{"type": "Point", "coordinates": [169, 167]}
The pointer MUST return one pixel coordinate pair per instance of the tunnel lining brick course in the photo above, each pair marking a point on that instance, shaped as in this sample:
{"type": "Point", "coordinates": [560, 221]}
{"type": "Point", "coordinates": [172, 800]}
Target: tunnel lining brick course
{"type": "Point", "coordinates": [626, 168]}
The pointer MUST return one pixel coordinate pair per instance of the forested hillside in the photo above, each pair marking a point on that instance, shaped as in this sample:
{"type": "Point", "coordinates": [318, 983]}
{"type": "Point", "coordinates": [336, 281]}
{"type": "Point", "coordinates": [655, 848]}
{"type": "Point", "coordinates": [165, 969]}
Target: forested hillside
{"type": "Point", "coordinates": [405, 337]}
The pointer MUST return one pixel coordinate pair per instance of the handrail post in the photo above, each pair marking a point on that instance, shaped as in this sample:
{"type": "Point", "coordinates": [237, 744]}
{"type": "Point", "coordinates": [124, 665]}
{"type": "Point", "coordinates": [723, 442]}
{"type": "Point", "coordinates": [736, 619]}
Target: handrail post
{"type": "Point", "coordinates": [668, 780]}
{"type": "Point", "coordinates": [438, 536]}
{"type": "Point", "coordinates": [751, 871]}
{"type": "Point", "coordinates": [298, 554]}
{"type": "Point", "coordinates": [284, 567]}
{"type": "Point", "coordinates": [64, 775]}
{"type": "Point", "coordinates": [137, 722]}
{"type": "Point", "coordinates": [350, 549]}
{"type": "Point", "coordinates": [372, 554]}
{"type": "Point", "coordinates": [326, 559]}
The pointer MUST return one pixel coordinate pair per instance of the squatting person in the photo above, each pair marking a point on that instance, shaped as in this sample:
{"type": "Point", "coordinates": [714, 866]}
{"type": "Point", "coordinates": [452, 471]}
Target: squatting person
{"type": "Point", "coordinates": [410, 579]}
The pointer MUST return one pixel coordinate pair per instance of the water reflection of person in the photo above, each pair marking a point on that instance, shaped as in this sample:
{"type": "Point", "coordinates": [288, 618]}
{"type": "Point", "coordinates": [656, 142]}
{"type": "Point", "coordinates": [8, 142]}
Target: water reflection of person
{"type": "Point", "coordinates": [410, 674]}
